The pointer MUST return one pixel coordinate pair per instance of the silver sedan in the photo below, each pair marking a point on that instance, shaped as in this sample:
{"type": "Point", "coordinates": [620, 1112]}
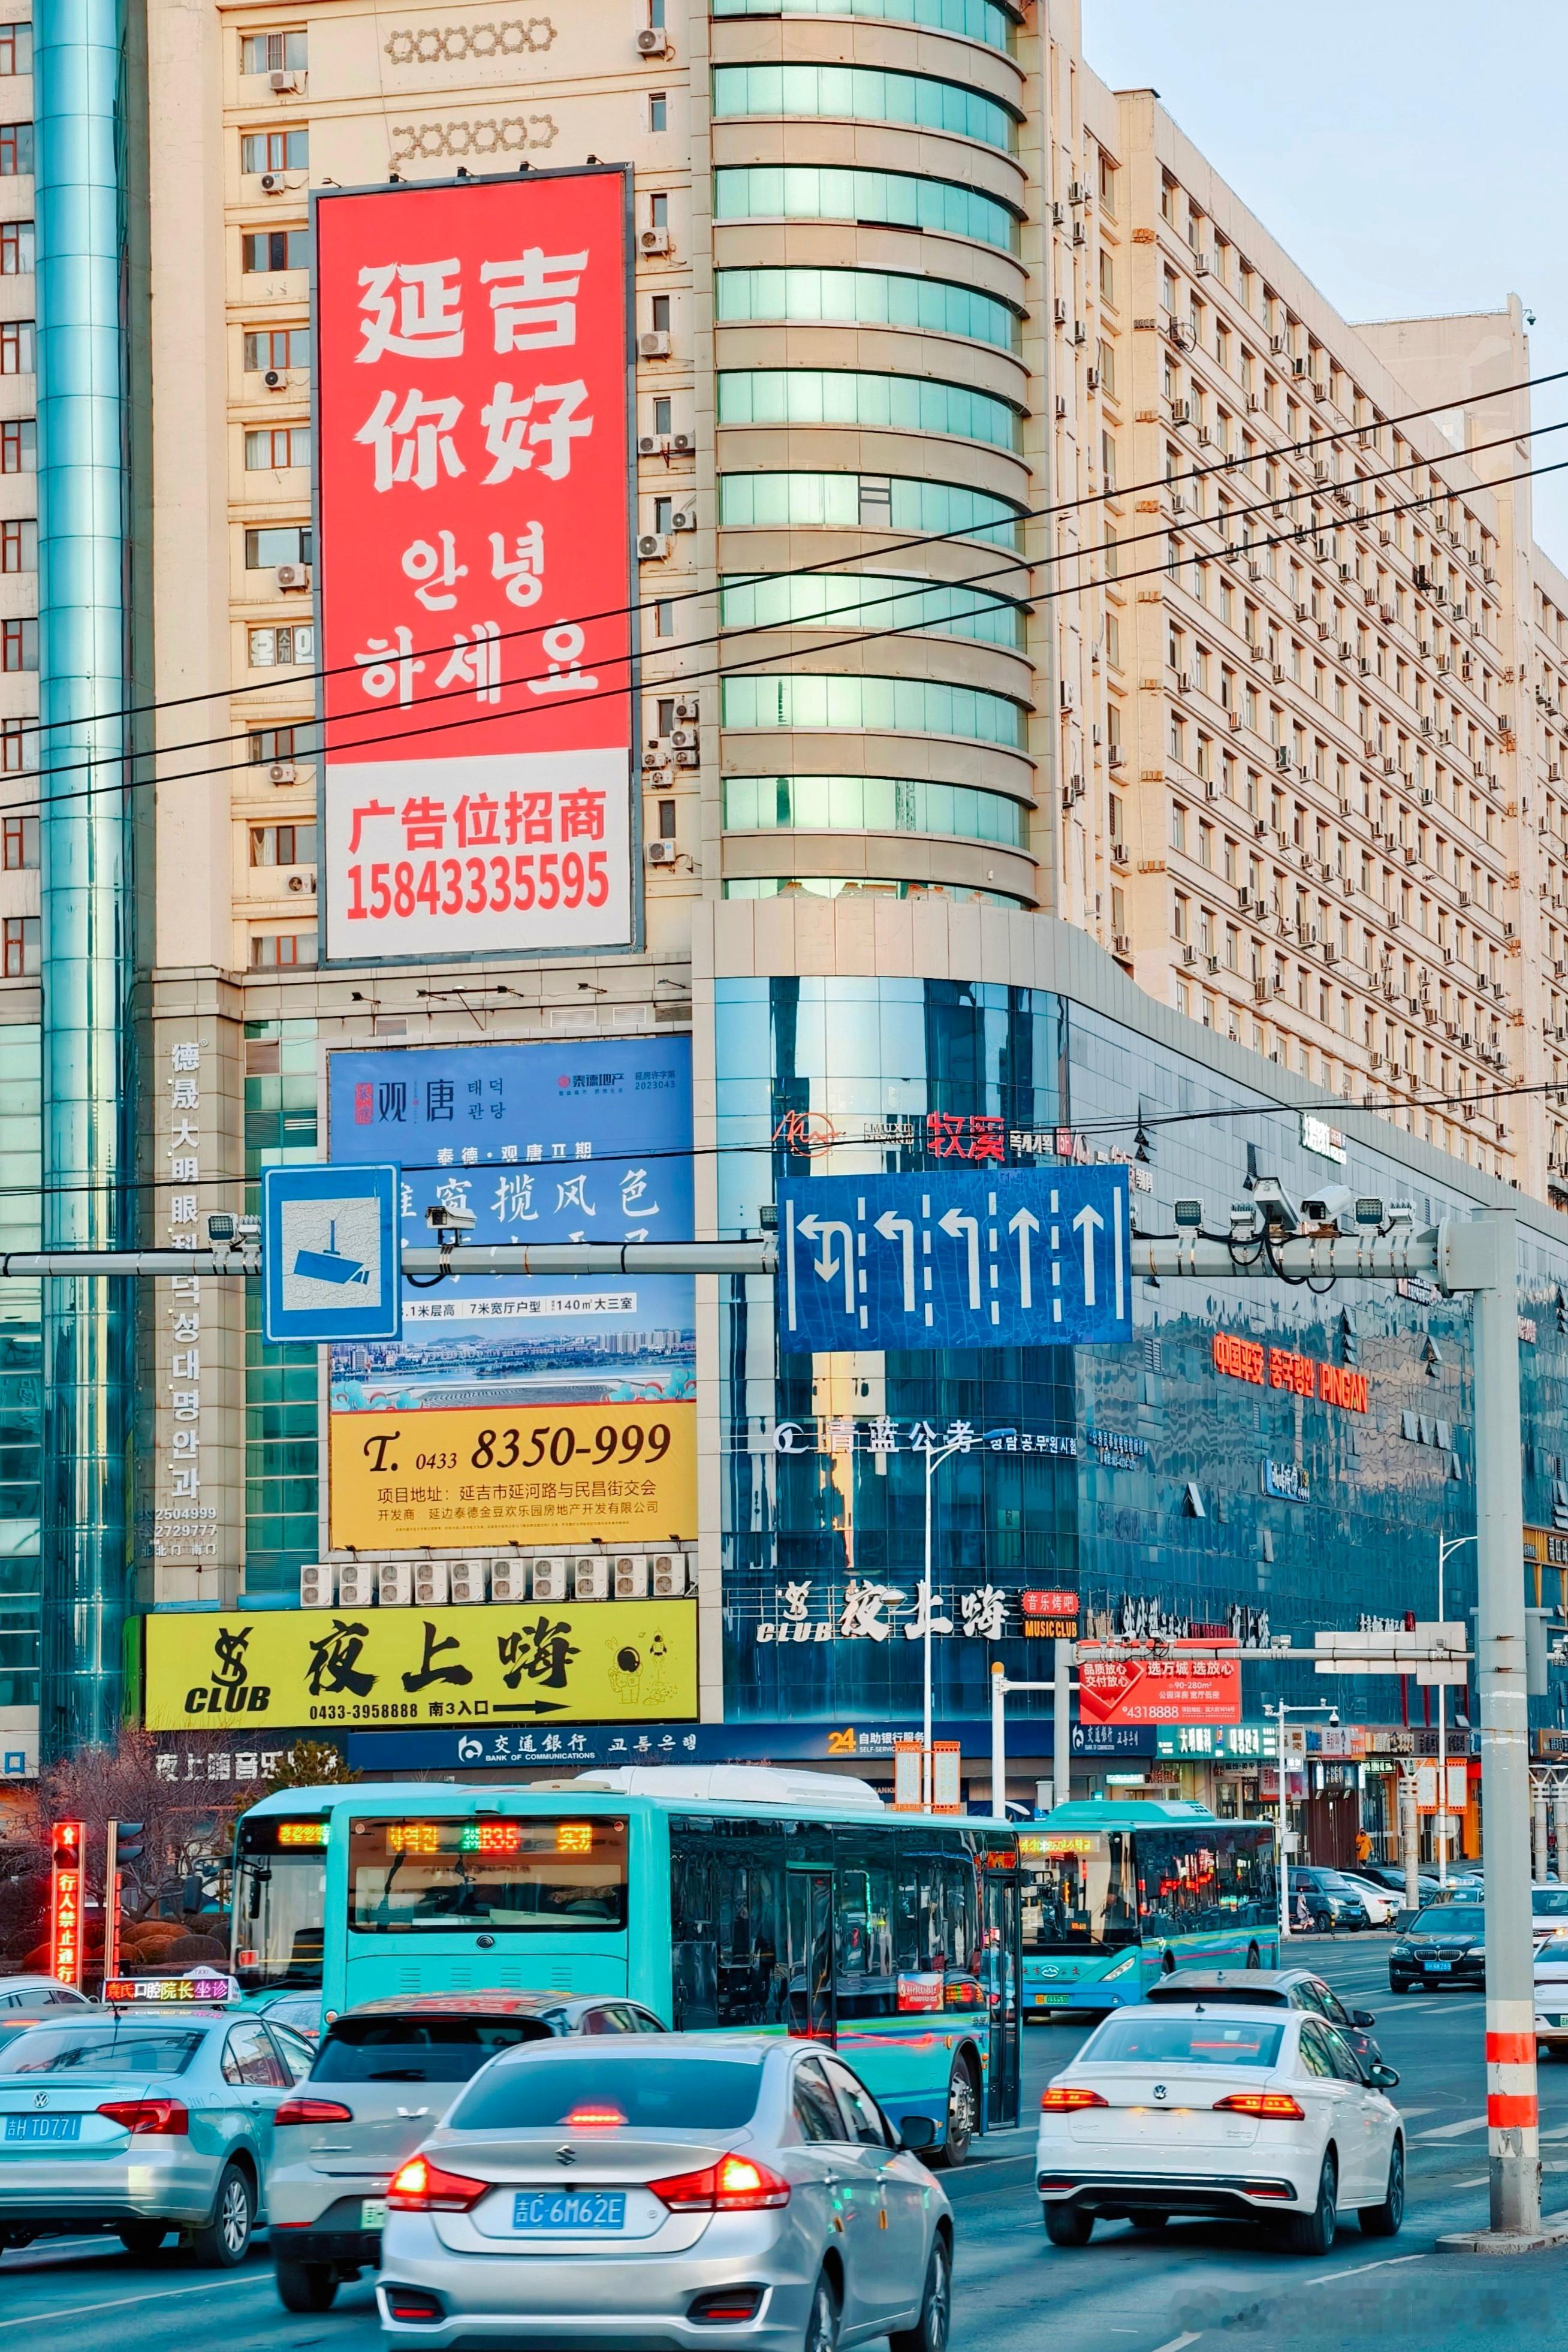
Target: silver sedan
{"type": "Point", "coordinates": [658, 2193]}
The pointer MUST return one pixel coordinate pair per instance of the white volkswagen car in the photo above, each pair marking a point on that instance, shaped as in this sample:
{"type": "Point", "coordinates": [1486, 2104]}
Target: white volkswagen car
{"type": "Point", "coordinates": [1219, 2109]}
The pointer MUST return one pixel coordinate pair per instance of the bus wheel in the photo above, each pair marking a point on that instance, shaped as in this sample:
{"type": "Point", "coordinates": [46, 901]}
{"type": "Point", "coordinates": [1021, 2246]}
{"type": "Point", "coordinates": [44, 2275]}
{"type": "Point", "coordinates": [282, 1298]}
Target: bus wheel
{"type": "Point", "coordinates": [1254, 1958]}
{"type": "Point", "coordinates": [963, 2116]}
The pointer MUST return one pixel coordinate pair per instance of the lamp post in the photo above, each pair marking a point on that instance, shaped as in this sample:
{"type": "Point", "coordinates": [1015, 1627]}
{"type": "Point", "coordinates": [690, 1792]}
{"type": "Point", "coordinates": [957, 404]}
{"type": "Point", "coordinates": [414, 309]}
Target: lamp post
{"type": "Point", "coordinates": [935, 1456]}
{"type": "Point", "coordinates": [1312, 1707]}
{"type": "Point", "coordinates": [1445, 1545]}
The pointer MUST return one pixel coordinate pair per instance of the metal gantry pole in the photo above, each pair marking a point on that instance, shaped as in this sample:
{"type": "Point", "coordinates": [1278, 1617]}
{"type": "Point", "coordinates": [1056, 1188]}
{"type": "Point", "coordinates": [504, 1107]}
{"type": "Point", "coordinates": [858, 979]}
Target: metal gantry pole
{"type": "Point", "coordinates": [1284, 1820]}
{"type": "Point", "coordinates": [999, 1741]}
{"type": "Point", "coordinates": [1062, 1652]}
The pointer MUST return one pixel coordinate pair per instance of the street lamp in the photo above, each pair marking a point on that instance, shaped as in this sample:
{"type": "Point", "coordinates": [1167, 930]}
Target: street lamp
{"type": "Point", "coordinates": [1312, 1707]}
{"type": "Point", "coordinates": [1445, 1545]}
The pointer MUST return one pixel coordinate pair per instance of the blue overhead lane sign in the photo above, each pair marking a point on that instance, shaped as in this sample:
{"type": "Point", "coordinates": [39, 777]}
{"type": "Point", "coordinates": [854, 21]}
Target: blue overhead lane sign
{"type": "Point", "coordinates": [1014, 1258]}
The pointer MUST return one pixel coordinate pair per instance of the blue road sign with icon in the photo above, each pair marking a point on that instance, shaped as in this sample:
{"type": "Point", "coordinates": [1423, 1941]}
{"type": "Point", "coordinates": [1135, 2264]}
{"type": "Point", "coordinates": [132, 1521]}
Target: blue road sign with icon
{"type": "Point", "coordinates": [1018, 1257]}
{"type": "Point", "coordinates": [330, 1253]}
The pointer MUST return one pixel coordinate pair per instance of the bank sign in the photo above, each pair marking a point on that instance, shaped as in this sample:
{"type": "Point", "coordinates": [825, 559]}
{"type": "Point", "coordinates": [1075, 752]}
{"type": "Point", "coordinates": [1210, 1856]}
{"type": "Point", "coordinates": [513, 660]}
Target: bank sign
{"type": "Point", "coordinates": [1013, 1258]}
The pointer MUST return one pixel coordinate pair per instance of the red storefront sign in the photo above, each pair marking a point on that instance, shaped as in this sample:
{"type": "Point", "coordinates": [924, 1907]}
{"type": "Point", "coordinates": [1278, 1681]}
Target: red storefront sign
{"type": "Point", "coordinates": [1168, 1686]}
{"type": "Point", "coordinates": [1281, 1368]}
{"type": "Point", "coordinates": [474, 565]}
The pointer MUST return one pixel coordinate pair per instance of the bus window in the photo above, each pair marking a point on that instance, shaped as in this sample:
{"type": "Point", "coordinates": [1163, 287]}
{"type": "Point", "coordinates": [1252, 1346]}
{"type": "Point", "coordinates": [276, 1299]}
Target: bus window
{"type": "Point", "coordinates": [937, 1888]}
{"type": "Point", "coordinates": [523, 1875]}
{"type": "Point", "coordinates": [863, 1917]}
{"type": "Point", "coordinates": [1078, 1891]}
{"type": "Point", "coordinates": [694, 1934]}
{"type": "Point", "coordinates": [279, 1904]}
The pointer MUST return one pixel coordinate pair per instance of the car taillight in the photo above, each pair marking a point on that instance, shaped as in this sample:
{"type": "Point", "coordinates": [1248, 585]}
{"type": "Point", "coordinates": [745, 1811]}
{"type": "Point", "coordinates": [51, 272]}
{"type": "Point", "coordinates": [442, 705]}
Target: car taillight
{"type": "Point", "coordinates": [313, 2111]}
{"type": "Point", "coordinates": [421, 2187]}
{"type": "Point", "coordinates": [600, 2118]}
{"type": "Point", "coordinates": [1063, 2097]}
{"type": "Point", "coordinates": [736, 2184]}
{"type": "Point", "coordinates": [162, 2118]}
{"type": "Point", "coordinates": [1278, 2105]}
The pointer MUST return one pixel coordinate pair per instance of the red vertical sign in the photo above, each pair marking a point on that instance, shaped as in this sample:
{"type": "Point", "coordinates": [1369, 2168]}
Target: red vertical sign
{"type": "Point", "coordinates": [474, 566]}
{"type": "Point", "coordinates": [64, 1903]}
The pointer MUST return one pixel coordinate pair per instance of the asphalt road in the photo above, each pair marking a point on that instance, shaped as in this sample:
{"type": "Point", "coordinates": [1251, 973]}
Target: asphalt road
{"type": "Point", "coordinates": [1196, 2287]}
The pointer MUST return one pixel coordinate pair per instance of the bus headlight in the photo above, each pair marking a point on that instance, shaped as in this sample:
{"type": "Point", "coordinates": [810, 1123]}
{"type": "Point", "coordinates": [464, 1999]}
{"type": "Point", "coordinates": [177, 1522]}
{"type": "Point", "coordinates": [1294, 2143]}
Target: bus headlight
{"type": "Point", "coordinates": [1121, 1967]}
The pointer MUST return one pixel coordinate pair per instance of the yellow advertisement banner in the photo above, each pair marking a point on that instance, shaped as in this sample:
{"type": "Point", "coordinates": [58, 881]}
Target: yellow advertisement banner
{"type": "Point", "coordinates": [534, 1663]}
{"type": "Point", "coordinates": [481, 1477]}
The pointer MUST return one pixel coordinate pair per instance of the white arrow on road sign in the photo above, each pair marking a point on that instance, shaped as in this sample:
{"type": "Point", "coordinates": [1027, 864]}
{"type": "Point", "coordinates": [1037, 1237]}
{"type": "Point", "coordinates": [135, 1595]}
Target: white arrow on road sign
{"type": "Point", "coordinates": [890, 1226]}
{"type": "Point", "coordinates": [1024, 1223]}
{"type": "Point", "coordinates": [827, 1266]}
{"type": "Point", "coordinates": [1089, 1222]}
{"type": "Point", "coordinates": [955, 1222]}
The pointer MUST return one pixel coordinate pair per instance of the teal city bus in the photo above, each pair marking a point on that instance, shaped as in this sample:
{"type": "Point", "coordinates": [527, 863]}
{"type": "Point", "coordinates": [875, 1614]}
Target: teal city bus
{"type": "Point", "coordinates": [1116, 1894]}
{"type": "Point", "coordinates": [724, 1900]}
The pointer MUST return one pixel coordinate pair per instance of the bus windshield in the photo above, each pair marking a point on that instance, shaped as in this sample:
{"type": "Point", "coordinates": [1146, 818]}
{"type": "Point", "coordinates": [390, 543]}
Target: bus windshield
{"type": "Point", "coordinates": [1079, 1890]}
{"type": "Point", "coordinates": [279, 1904]}
{"type": "Point", "coordinates": [1100, 1890]}
{"type": "Point", "coordinates": [529, 1874]}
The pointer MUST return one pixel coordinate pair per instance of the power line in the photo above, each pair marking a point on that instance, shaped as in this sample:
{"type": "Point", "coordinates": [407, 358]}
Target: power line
{"type": "Point", "coordinates": [1025, 514]}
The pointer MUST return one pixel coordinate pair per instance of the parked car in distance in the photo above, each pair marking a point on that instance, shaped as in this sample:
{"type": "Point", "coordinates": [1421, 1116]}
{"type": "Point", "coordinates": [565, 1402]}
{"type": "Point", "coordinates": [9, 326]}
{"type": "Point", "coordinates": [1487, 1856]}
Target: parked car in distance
{"type": "Point", "coordinates": [1549, 1910]}
{"type": "Point", "coordinates": [1271, 1989]}
{"type": "Point", "coordinates": [382, 2077]}
{"type": "Point", "coordinates": [1390, 1876]}
{"type": "Point", "coordinates": [1551, 1995]}
{"type": "Point", "coordinates": [139, 2125]}
{"type": "Point", "coordinates": [665, 2191]}
{"type": "Point", "coordinates": [1234, 2111]}
{"type": "Point", "coordinates": [1329, 1899]}
{"type": "Point", "coordinates": [34, 1994]}
{"type": "Point", "coordinates": [1381, 1906]}
{"type": "Point", "coordinates": [1444, 1945]}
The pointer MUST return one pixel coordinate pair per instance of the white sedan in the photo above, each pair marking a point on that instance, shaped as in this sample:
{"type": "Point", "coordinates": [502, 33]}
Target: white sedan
{"type": "Point", "coordinates": [1381, 1906]}
{"type": "Point", "coordinates": [1220, 2109]}
{"type": "Point", "coordinates": [1551, 1995]}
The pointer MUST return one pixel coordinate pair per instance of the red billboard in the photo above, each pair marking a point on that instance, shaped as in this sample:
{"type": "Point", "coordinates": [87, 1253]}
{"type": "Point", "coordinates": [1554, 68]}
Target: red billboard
{"type": "Point", "coordinates": [1167, 1686]}
{"type": "Point", "coordinates": [473, 552]}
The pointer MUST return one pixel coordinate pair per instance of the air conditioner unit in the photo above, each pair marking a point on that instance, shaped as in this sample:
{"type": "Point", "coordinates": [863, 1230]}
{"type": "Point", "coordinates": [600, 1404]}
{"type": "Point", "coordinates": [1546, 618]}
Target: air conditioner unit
{"type": "Point", "coordinates": [469, 1581]}
{"type": "Point", "coordinates": [1060, 311]}
{"type": "Point", "coordinates": [683, 739]}
{"type": "Point", "coordinates": [687, 711]}
{"type": "Point", "coordinates": [1189, 955]}
{"type": "Point", "coordinates": [275, 380]}
{"type": "Point", "coordinates": [650, 444]}
{"type": "Point", "coordinates": [668, 1575]}
{"type": "Point", "coordinates": [282, 771]}
{"type": "Point", "coordinates": [654, 345]}
{"type": "Point", "coordinates": [318, 1584]}
{"type": "Point", "coordinates": [1202, 266]}
{"type": "Point", "coordinates": [432, 1585]}
{"type": "Point", "coordinates": [629, 1577]}
{"type": "Point", "coordinates": [1121, 943]}
{"type": "Point", "coordinates": [357, 1585]}
{"type": "Point", "coordinates": [653, 42]}
{"type": "Point", "coordinates": [302, 882]}
{"type": "Point", "coordinates": [661, 852]}
{"type": "Point", "coordinates": [552, 1579]}
{"type": "Point", "coordinates": [1235, 717]}
{"type": "Point", "coordinates": [689, 759]}
{"type": "Point", "coordinates": [590, 1580]}
{"type": "Point", "coordinates": [1181, 411]}
{"type": "Point", "coordinates": [1091, 381]}
{"type": "Point", "coordinates": [273, 183]}
{"type": "Point", "coordinates": [1077, 193]}
{"type": "Point", "coordinates": [655, 758]}
{"type": "Point", "coordinates": [284, 81]}
{"type": "Point", "coordinates": [1061, 407]}
{"type": "Point", "coordinates": [394, 1583]}
{"type": "Point", "coordinates": [1281, 756]}
{"type": "Point", "coordinates": [684, 519]}
{"type": "Point", "coordinates": [292, 576]}
{"type": "Point", "coordinates": [508, 1580]}
{"type": "Point", "coordinates": [1079, 333]}
{"type": "Point", "coordinates": [1254, 404]}
{"type": "Point", "coordinates": [654, 240]}
{"type": "Point", "coordinates": [652, 547]}
{"type": "Point", "coordinates": [682, 445]}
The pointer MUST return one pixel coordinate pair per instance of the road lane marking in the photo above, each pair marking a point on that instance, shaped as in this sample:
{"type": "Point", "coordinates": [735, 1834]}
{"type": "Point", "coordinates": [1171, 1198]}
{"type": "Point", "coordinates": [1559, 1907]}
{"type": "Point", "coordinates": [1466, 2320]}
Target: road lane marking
{"type": "Point", "coordinates": [1452, 2131]}
{"type": "Point", "coordinates": [164, 2294]}
{"type": "Point", "coordinates": [1325, 2278]}
{"type": "Point", "coordinates": [1177, 2342]}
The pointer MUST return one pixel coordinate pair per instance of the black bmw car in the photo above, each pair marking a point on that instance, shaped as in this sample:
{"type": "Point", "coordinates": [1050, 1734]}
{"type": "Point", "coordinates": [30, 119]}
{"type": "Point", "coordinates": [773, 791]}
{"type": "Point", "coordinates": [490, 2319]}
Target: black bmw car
{"type": "Point", "coordinates": [1444, 1945]}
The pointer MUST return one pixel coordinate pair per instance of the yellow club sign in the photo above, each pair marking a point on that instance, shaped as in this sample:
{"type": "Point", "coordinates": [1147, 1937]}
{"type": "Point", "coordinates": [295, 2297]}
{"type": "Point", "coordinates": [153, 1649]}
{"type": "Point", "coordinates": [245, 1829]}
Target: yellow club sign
{"type": "Point", "coordinates": [610, 1661]}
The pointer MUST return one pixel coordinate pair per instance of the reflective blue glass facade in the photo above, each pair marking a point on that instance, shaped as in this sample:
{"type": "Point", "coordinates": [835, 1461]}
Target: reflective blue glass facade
{"type": "Point", "coordinates": [1154, 1476]}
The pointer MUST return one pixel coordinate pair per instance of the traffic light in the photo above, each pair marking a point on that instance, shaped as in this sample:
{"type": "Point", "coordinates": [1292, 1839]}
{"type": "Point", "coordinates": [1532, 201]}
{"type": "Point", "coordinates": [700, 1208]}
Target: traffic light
{"type": "Point", "coordinates": [65, 1902]}
{"type": "Point", "coordinates": [132, 1842]}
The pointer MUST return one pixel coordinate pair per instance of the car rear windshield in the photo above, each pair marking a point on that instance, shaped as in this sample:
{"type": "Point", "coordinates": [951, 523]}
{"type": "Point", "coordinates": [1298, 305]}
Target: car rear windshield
{"type": "Point", "coordinates": [1449, 1920]}
{"type": "Point", "coordinates": [646, 2095]}
{"type": "Point", "coordinates": [1130, 2039]}
{"type": "Point", "coordinates": [417, 2049]}
{"type": "Point", "coordinates": [1248, 1996]}
{"type": "Point", "coordinates": [1550, 1902]}
{"type": "Point", "coordinates": [99, 2050]}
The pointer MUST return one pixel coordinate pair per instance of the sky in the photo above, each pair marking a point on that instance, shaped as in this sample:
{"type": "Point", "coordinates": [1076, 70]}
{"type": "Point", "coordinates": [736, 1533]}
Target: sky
{"type": "Point", "coordinates": [1410, 158]}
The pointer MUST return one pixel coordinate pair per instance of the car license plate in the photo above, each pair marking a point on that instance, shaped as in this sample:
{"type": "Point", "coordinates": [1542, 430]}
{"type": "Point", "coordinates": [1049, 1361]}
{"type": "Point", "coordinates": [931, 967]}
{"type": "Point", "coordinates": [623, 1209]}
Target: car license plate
{"type": "Point", "coordinates": [372, 2213]}
{"type": "Point", "coordinates": [569, 2210]}
{"type": "Point", "coordinates": [36, 2128]}
{"type": "Point", "coordinates": [1437, 1968]}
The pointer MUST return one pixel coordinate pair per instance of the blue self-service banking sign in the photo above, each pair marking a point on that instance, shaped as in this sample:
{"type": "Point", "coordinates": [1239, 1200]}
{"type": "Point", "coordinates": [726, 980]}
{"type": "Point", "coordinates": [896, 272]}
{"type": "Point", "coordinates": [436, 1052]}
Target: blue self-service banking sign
{"type": "Point", "coordinates": [1014, 1258]}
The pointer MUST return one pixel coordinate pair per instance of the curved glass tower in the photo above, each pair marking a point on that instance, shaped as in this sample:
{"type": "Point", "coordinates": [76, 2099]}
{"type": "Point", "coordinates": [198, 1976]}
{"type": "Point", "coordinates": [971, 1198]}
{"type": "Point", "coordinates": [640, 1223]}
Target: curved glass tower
{"type": "Point", "coordinates": [86, 940]}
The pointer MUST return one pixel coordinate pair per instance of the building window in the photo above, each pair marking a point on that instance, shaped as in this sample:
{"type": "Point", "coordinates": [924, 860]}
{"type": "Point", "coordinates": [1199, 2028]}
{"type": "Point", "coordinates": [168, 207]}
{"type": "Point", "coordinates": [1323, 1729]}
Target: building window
{"type": "Point", "coordinates": [659, 211]}
{"type": "Point", "coordinates": [914, 509]}
{"type": "Point", "coordinates": [1108, 467]}
{"type": "Point", "coordinates": [281, 649]}
{"type": "Point", "coordinates": [277, 347]}
{"type": "Point", "coordinates": [283, 844]}
{"type": "Point", "coordinates": [277, 543]}
{"type": "Point", "coordinates": [886, 199]}
{"type": "Point", "coordinates": [866, 92]}
{"type": "Point", "coordinates": [19, 843]}
{"type": "Point", "coordinates": [663, 416]}
{"type": "Point", "coordinates": [269, 248]}
{"type": "Point", "coordinates": [1108, 184]}
{"type": "Point", "coordinates": [275, 151]}
{"type": "Point", "coordinates": [658, 109]}
{"type": "Point", "coordinates": [273, 53]}
{"type": "Point", "coordinates": [19, 544]}
{"type": "Point", "coordinates": [874, 705]}
{"type": "Point", "coordinates": [904, 404]}
{"type": "Point", "coordinates": [276, 445]}
{"type": "Point", "coordinates": [282, 951]}
{"type": "Point", "coordinates": [18, 746]}
{"type": "Point", "coordinates": [1107, 277]}
{"type": "Point", "coordinates": [18, 248]}
{"type": "Point", "coordinates": [15, 149]}
{"type": "Point", "coordinates": [21, 946]}
{"type": "Point", "coordinates": [664, 617]}
{"type": "Point", "coordinates": [659, 314]}
{"type": "Point", "coordinates": [263, 745]}
{"type": "Point", "coordinates": [16, 48]}
{"type": "Point", "coordinates": [663, 516]}
{"type": "Point", "coordinates": [18, 644]}
{"type": "Point", "coordinates": [889, 805]}
{"type": "Point", "coordinates": [666, 820]}
{"type": "Point", "coordinates": [17, 353]}
{"type": "Point", "coordinates": [868, 298]}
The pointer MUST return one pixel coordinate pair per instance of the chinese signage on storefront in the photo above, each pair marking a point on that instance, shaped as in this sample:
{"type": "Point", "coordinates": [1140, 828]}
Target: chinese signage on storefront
{"type": "Point", "coordinates": [628, 1660]}
{"type": "Point", "coordinates": [1049, 1615]}
{"type": "Point", "coordinates": [1218, 1743]}
{"type": "Point", "coordinates": [864, 1610]}
{"type": "Point", "coordinates": [1281, 1368]}
{"type": "Point", "coordinates": [474, 552]}
{"type": "Point", "coordinates": [973, 1136]}
{"type": "Point", "coordinates": [1162, 1688]}
{"type": "Point", "coordinates": [842, 1434]}
{"type": "Point", "coordinates": [541, 1411]}
{"type": "Point", "coordinates": [185, 1521]}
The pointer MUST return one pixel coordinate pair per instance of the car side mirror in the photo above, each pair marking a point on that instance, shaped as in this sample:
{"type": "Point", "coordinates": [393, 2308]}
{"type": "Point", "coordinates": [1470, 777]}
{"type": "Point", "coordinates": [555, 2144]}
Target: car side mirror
{"type": "Point", "coordinates": [1363, 2017]}
{"type": "Point", "coordinates": [1383, 2078]}
{"type": "Point", "coordinates": [1401, 1922]}
{"type": "Point", "coordinates": [917, 2131]}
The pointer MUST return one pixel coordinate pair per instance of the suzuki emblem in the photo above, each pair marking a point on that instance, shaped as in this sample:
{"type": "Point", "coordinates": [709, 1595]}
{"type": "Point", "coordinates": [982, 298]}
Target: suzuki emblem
{"type": "Point", "coordinates": [566, 2156]}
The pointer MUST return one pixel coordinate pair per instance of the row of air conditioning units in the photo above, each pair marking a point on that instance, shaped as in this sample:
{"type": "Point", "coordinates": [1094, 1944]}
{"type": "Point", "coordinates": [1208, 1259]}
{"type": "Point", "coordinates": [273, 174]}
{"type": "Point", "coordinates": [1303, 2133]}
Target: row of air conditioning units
{"type": "Point", "coordinates": [453, 1583]}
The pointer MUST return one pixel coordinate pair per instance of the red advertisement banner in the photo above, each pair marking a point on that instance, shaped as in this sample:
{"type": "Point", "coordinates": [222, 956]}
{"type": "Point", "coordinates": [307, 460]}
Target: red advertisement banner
{"type": "Point", "coordinates": [1165, 1687]}
{"type": "Point", "coordinates": [474, 566]}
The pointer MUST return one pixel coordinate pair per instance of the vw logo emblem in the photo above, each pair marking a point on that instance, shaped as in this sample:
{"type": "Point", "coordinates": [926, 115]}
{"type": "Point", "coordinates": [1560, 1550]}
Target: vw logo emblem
{"type": "Point", "coordinates": [566, 2156]}
{"type": "Point", "coordinates": [1159, 2090]}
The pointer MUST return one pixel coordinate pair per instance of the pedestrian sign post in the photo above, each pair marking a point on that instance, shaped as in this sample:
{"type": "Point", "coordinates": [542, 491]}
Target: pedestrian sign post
{"type": "Point", "coordinates": [330, 1253]}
